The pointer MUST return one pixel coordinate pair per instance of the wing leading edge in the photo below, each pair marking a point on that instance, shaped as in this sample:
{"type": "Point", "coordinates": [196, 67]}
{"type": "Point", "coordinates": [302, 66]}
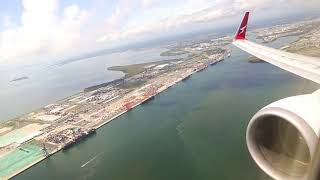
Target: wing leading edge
{"type": "Point", "coordinates": [304, 66]}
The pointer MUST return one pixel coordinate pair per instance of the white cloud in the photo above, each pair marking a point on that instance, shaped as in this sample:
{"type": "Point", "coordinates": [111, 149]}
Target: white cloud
{"type": "Point", "coordinates": [121, 14]}
{"type": "Point", "coordinates": [148, 3]}
{"type": "Point", "coordinates": [218, 9]}
{"type": "Point", "coordinates": [7, 22]}
{"type": "Point", "coordinates": [48, 30]}
{"type": "Point", "coordinates": [42, 32]}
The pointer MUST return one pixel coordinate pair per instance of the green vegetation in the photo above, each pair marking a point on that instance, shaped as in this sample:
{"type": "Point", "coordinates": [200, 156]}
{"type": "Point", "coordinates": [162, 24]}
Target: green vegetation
{"type": "Point", "coordinates": [129, 71]}
{"type": "Point", "coordinates": [131, 85]}
{"type": "Point", "coordinates": [134, 69]}
{"type": "Point", "coordinates": [173, 52]}
{"type": "Point", "coordinates": [199, 56]}
{"type": "Point", "coordinates": [92, 88]}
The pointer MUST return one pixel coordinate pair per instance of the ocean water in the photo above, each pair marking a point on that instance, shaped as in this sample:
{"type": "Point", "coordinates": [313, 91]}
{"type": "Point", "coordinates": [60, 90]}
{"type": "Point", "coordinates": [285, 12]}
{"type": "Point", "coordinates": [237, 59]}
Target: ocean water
{"type": "Point", "coordinates": [53, 81]}
{"type": "Point", "coordinates": [193, 131]}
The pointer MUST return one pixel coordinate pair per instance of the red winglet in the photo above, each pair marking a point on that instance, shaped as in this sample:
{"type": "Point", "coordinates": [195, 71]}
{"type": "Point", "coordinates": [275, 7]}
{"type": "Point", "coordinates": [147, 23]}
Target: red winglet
{"type": "Point", "coordinates": [241, 33]}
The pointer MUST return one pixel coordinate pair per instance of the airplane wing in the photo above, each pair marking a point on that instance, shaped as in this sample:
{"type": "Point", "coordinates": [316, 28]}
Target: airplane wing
{"type": "Point", "coordinates": [304, 66]}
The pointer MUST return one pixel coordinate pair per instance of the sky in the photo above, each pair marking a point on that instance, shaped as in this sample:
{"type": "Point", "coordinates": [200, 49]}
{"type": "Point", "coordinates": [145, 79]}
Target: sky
{"type": "Point", "coordinates": [47, 30]}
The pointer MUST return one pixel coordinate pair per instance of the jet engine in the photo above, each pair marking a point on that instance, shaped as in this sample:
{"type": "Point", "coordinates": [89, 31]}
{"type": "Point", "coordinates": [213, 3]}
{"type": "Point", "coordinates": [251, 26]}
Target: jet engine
{"type": "Point", "coordinates": [282, 137]}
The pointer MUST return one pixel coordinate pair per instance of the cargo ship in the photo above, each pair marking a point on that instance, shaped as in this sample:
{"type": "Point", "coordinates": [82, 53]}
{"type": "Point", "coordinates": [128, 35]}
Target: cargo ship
{"type": "Point", "coordinates": [202, 68]}
{"type": "Point", "coordinates": [79, 137]}
{"type": "Point", "coordinates": [148, 99]}
{"type": "Point", "coordinates": [213, 63]}
{"type": "Point", "coordinates": [185, 78]}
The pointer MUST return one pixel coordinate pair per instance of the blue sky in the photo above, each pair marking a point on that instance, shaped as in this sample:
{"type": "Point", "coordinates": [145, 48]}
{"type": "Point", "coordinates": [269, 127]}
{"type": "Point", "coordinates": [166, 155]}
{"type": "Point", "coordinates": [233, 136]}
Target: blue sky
{"type": "Point", "coordinates": [33, 30]}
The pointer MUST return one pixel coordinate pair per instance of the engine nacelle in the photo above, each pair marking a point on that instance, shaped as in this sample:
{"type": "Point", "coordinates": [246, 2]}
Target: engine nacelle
{"type": "Point", "coordinates": [282, 137]}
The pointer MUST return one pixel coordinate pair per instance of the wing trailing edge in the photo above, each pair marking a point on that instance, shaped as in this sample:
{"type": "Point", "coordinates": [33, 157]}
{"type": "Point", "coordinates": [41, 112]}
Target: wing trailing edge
{"type": "Point", "coordinates": [303, 66]}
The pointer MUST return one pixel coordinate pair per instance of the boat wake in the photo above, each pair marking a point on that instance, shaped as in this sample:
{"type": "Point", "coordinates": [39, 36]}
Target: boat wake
{"type": "Point", "coordinates": [92, 159]}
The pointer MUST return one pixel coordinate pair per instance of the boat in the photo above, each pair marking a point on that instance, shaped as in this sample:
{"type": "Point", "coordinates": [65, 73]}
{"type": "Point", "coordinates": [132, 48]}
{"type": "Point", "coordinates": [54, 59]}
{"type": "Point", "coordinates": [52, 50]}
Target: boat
{"type": "Point", "coordinates": [80, 137]}
{"type": "Point", "coordinates": [185, 78]}
{"type": "Point", "coordinates": [213, 63]}
{"type": "Point", "coordinates": [148, 99]}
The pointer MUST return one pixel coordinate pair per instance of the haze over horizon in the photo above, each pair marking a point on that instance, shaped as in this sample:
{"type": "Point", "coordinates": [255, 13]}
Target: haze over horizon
{"type": "Point", "coordinates": [47, 30]}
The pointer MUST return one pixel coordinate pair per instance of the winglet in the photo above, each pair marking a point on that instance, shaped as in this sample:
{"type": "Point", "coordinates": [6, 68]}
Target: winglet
{"type": "Point", "coordinates": [241, 33]}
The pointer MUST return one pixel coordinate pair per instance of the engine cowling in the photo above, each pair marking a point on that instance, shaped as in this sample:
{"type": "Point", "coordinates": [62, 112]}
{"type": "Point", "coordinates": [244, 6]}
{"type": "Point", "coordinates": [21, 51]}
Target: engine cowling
{"type": "Point", "coordinates": [282, 137]}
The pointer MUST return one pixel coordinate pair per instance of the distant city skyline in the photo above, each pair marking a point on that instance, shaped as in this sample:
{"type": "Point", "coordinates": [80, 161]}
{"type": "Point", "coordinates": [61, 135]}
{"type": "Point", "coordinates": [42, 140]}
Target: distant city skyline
{"type": "Point", "coordinates": [33, 30]}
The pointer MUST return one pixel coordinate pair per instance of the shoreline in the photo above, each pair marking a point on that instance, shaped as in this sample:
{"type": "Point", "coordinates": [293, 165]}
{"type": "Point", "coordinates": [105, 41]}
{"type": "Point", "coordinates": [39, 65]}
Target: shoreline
{"type": "Point", "coordinates": [181, 79]}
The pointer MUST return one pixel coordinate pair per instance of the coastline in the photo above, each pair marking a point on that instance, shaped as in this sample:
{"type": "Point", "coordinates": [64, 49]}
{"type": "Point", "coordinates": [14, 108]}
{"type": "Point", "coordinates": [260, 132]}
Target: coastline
{"type": "Point", "coordinates": [109, 120]}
